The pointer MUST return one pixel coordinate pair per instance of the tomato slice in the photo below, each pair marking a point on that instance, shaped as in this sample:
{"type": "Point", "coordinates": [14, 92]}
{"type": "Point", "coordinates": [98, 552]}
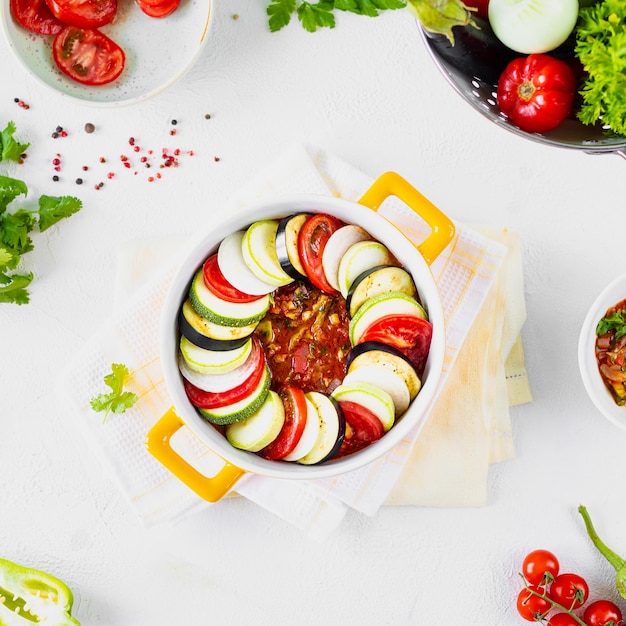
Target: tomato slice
{"type": "Point", "coordinates": [84, 13]}
{"type": "Point", "coordinates": [362, 428]}
{"type": "Point", "coordinates": [217, 284]}
{"type": "Point", "coordinates": [312, 240]}
{"type": "Point", "coordinates": [87, 56]}
{"type": "Point", "coordinates": [409, 334]}
{"type": "Point", "coordinates": [160, 8]}
{"type": "Point", "coordinates": [294, 402]}
{"type": "Point", "coordinates": [36, 16]}
{"type": "Point", "coordinates": [213, 400]}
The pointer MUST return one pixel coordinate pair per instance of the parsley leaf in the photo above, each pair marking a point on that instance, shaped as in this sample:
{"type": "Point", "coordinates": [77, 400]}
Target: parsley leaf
{"type": "Point", "coordinates": [615, 321]}
{"type": "Point", "coordinates": [10, 188]}
{"type": "Point", "coordinates": [280, 12]}
{"type": "Point", "coordinates": [14, 231]}
{"type": "Point", "coordinates": [9, 147]}
{"type": "Point", "coordinates": [118, 400]}
{"type": "Point", "coordinates": [53, 208]}
{"type": "Point", "coordinates": [13, 288]}
{"type": "Point", "coordinates": [314, 16]}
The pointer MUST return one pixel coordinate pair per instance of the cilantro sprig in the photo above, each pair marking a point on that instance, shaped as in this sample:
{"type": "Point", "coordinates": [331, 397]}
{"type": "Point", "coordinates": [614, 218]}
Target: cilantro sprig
{"type": "Point", "coordinates": [10, 148]}
{"type": "Point", "coordinates": [615, 321]}
{"type": "Point", "coordinates": [320, 14]}
{"type": "Point", "coordinates": [117, 400]}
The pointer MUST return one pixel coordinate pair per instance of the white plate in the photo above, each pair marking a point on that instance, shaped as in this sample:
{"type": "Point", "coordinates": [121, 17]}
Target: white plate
{"type": "Point", "coordinates": [599, 394]}
{"type": "Point", "coordinates": [158, 52]}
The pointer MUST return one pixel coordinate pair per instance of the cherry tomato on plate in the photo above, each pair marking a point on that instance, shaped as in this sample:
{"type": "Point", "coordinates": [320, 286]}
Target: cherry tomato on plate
{"type": "Point", "coordinates": [218, 285]}
{"type": "Point", "coordinates": [87, 56]}
{"type": "Point", "coordinates": [538, 566]}
{"type": "Point", "coordinates": [312, 240]}
{"type": "Point", "coordinates": [362, 428]}
{"type": "Point", "coordinates": [537, 92]}
{"type": "Point", "coordinates": [603, 613]}
{"type": "Point", "coordinates": [36, 16]}
{"type": "Point", "coordinates": [562, 619]}
{"type": "Point", "coordinates": [531, 606]}
{"type": "Point", "coordinates": [84, 13]}
{"type": "Point", "coordinates": [569, 590]}
{"type": "Point", "coordinates": [158, 8]}
{"type": "Point", "coordinates": [294, 402]}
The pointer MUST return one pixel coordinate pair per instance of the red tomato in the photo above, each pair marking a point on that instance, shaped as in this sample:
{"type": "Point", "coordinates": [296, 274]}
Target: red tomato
{"type": "Point", "coordinates": [294, 402]}
{"type": "Point", "coordinates": [84, 13]}
{"type": "Point", "coordinates": [409, 334]}
{"type": "Point", "coordinates": [87, 56]}
{"type": "Point", "coordinates": [540, 567]}
{"type": "Point", "coordinates": [213, 400]}
{"type": "Point", "coordinates": [602, 613]}
{"type": "Point", "coordinates": [531, 606]}
{"type": "Point", "coordinates": [160, 8]}
{"type": "Point", "coordinates": [537, 92]}
{"type": "Point", "coordinates": [481, 7]}
{"type": "Point", "coordinates": [217, 284]}
{"type": "Point", "coordinates": [312, 240]}
{"type": "Point", "coordinates": [362, 428]}
{"type": "Point", "coordinates": [569, 590]}
{"type": "Point", "coordinates": [562, 619]}
{"type": "Point", "coordinates": [35, 15]}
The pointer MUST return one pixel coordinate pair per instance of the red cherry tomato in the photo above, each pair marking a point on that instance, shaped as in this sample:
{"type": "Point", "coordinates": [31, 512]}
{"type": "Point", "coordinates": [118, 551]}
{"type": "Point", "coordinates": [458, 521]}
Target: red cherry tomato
{"type": "Point", "coordinates": [36, 16]}
{"type": "Point", "coordinates": [213, 400]}
{"type": "Point", "coordinates": [602, 613]}
{"type": "Point", "coordinates": [217, 284]}
{"type": "Point", "coordinates": [481, 7]}
{"type": "Point", "coordinates": [562, 619]}
{"type": "Point", "coordinates": [294, 402]}
{"type": "Point", "coordinates": [87, 56]}
{"type": "Point", "coordinates": [362, 428]}
{"type": "Point", "coordinates": [569, 590]}
{"type": "Point", "coordinates": [409, 334]}
{"type": "Point", "coordinates": [531, 606]}
{"type": "Point", "coordinates": [84, 13]}
{"type": "Point", "coordinates": [539, 567]}
{"type": "Point", "coordinates": [537, 92]}
{"type": "Point", "coordinates": [161, 8]}
{"type": "Point", "coordinates": [312, 240]}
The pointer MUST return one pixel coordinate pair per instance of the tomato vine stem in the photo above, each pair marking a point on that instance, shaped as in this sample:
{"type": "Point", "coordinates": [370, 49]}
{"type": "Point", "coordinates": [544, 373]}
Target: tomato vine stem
{"type": "Point", "coordinates": [554, 605]}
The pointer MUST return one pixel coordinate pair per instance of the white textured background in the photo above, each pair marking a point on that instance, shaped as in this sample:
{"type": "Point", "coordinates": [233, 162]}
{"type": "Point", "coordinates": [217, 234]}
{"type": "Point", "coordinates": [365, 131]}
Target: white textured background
{"type": "Point", "coordinates": [367, 92]}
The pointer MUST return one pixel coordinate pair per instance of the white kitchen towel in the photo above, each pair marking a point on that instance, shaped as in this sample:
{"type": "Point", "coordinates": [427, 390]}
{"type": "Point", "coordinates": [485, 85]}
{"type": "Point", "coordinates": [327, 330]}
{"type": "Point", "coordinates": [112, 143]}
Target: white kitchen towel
{"type": "Point", "coordinates": [464, 273]}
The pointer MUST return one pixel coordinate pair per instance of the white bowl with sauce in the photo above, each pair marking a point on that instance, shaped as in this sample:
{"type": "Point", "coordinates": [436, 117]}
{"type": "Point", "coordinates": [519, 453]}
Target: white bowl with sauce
{"type": "Point", "coordinates": [416, 259]}
{"type": "Point", "coordinates": [602, 398]}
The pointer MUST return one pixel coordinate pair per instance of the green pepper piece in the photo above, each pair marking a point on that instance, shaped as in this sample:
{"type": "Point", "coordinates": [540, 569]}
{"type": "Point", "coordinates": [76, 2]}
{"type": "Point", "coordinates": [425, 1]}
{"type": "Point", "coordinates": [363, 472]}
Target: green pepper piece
{"type": "Point", "coordinates": [30, 596]}
{"type": "Point", "coordinates": [615, 560]}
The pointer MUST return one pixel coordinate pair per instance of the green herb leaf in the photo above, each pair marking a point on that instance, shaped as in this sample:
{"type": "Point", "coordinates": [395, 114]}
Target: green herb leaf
{"type": "Point", "coordinates": [13, 288]}
{"type": "Point", "coordinates": [10, 188]}
{"type": "Point", "coordinates": [6, 257]}
{"type": "Point", "coordinates": [616, 321]}
{"type": "Point", "coordinates": [314, 16]}
{"type": "Point", "coordinates": [10, 148]}
{"type": "Point", "coordinates": [280, 12]}
{"type": "Point", "coordinates": [53, 208]}
{"type": "Point", "coordinates": [118, 400]}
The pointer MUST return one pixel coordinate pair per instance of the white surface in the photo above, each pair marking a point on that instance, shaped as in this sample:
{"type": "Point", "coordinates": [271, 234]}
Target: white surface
{"type": "Point", "coordinates": [367, 92]}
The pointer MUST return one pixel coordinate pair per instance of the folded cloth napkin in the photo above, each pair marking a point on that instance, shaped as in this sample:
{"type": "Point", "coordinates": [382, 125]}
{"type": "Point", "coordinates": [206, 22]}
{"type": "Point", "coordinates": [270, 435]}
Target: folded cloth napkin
{"type": "Point", "coordinates": [468, 274]}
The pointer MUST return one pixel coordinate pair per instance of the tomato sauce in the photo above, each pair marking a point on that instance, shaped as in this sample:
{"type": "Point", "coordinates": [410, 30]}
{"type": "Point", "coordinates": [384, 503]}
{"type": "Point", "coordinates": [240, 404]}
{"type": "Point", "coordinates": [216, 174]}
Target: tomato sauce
{"type": "Point", "coordinates": [611, 351]}
{"type": "Point", "coordinates": [305, 338]}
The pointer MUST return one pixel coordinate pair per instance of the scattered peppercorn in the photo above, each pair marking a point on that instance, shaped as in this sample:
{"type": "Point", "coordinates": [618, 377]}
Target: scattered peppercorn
{"type": "Point", "coordinates": [63, 133]}
{"type": "Point", "coordinates": [85, 168]}
{"type": "Point", "coordinates": [216, 159]}
{"type": "Point", "coordinates": [89, 127]}
{"type": "Point", "coordinates": [102, 160]}
{"type": "Point", "coordinates": [207, 116]}
{"type": "Point", "coordinates": [174, 122]}
{"type": "Point", "coordinates": [59, 129]}
{"type": "Point", "coordinates": [79, 181]}
{"type": "Point", "coordinates": [236, 16]}
{"type": "Point", "coordinates": [55, 178]}
{"type": "Point", "coordinates": [54, 135]}
{"type": "Point", "coordinates": [173, 131]}
{"type": "Point", "coordinates": [16, 100]}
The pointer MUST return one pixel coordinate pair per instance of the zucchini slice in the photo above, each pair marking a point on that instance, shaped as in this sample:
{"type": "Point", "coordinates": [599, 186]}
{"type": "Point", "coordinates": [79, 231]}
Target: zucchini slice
{"type": "Point", "coordinates": [332, 429]}
{"type": "Point", "coordinates": [336, 246]}
{"type": "Point", "coordinates": [359, 257]}
{"type": "Point", "coordinates": [372, 397]}
{"type": "Point", "coordinates": [213, 361]}
{"type": "Point", "coordinates": [385, 378]}
{"type": "Point", "coordinates": [258, 247]}
{"type": "Point", "coordinates": [287, 244]}
{"type": "Point", "coordinates": [225, 415]}
{"type": "Point", "coordinates": [222, 312]}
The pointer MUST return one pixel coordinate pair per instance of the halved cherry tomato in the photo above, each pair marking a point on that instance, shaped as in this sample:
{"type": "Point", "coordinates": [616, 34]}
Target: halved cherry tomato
{"type": "Point", "coordinates": [537, 92]}
{"type": "Point", "coordinates": [294, 402]}
{"type": "Point", "coordinates": [362, 428]}
{"type": "Point", "coordinates": [213, 400]}
{"type": "Point", "coordinates": [84, 13]}
{"type": "Point", "coordinates": [409, 334]}
{"type": "Point", "coordinates": [603, 613]}
{"type": "Point", "coordinates": [569, 590]}
{"type": "Point", "coordinates": [161, 8]}
{"type": "Point", "coordinates": [36, 16]}
{"type": "Point", "coordinates": [87, 56]}
{"type": "Point", "coordinates": [216, 283]}
{"type": "Point", "coordinates": [540, 567]}
{"type": "Point", "coordinates": [312, 240]}
{"type": "Point", "coordinates": [531, 606]}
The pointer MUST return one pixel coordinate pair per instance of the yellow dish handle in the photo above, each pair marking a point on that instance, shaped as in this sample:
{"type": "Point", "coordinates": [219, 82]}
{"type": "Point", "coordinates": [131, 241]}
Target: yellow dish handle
{"type": "Point", "coordinates": [392, 184]}
{"type": "Point", "coordinates": [211, 488]}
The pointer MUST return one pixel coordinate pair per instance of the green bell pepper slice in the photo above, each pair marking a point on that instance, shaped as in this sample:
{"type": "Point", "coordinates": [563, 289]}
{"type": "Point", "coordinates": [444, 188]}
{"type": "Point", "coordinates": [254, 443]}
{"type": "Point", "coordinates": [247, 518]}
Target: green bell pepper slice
{"type": "Point", "coordinates": [30, 596]}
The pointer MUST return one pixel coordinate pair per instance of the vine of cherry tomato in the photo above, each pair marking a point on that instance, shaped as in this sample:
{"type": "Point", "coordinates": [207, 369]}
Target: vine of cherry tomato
{"type": "Point", "coordinates": [553, 598]}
